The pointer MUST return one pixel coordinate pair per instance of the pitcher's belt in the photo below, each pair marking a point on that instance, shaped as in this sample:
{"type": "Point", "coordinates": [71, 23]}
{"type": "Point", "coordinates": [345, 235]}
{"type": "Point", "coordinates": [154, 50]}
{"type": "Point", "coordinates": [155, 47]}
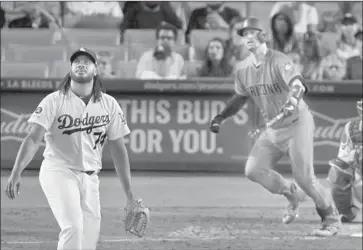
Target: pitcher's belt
{"type": "Point", "coordinates": [90, 172]}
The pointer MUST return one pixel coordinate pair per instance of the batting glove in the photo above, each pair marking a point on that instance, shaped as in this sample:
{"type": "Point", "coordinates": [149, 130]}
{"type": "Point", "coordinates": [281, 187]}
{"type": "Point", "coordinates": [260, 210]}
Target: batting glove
{"type": "Point", "coordinates": [289, 107]}
{"type": "Point", "coordinates": [215, 124]}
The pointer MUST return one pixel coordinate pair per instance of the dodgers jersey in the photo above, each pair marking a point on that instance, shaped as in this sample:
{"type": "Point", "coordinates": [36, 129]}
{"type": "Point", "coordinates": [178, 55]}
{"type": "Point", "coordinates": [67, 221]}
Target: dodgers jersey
{"type": "Point", "coordinates": [76, 132]}
{"type": "Point", "coordinates": [267, 84]}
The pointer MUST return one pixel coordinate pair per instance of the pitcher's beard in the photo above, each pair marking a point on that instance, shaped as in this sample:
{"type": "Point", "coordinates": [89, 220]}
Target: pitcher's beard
{"type": "Point", "coordinates": [81, 79]}
{"type": "Point", "coordinates": [251, 46]}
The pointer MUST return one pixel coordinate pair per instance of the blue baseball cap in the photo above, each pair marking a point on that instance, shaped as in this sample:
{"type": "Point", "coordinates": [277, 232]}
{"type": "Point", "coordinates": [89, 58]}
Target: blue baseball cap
{"type": "Point", "coordinates": [84, 51]}
{"type": "Point", "coordinates": [348, 19]}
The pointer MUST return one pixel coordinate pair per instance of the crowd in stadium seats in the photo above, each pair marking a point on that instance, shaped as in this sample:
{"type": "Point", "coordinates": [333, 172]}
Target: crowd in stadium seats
{"type": "Point", "coordinates": [174, 40]}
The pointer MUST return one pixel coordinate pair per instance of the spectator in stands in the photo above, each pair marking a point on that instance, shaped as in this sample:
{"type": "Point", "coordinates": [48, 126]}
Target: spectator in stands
{"type": "Point", "coordinates": [93, 15]}
{"type": "Point", "coordinates": [49, 13]}
{"type": "Point", "coordinates": [296, 60]}
{"type": "Point", "coordinates": [332, 67]}
{"type": "Point", "coordinates": [104, 62]}
{"type": "Point", "coordinates": [235, 47]}
{"type": "Point", "coordinates": [148, 15]}
{"type": "Point", "coordinates": [216, 62]}
{"type": "Point", "coordinates": [54, 9]}
{"type": "Point", "coordinates": [347, 46]}
{"type": "Point", "coordinates": [354, 64]}
{"type": "Point", "coordinates": [328, 22]}
{"type": "Point", "coordinates": [304, 14]}
{"type": "Point", "coordinates": [345, 7]}
{"type": "Point", "coordinates": [15, 10]}
{"type": "Point", "coordinates": [282, 27]}
{"type": "Point", "coordinates": [162, 62]}
{"type": "Point", "coordinates": [182, 11]}
{"type": "Point", "coordinates": [343, 40]}
{"type": "Point", "coordinates": [215, 15]}
{"type": "Point", "coordinates": [33, 18]}
{"type": "Point", "coordinates": [2, 18]}
{"type": "Point", "coordinates": [329, 32]}
{"type": "Point", "coordinates": [352, 7]}
{"type": "Point", "coordinates": [311, 55]}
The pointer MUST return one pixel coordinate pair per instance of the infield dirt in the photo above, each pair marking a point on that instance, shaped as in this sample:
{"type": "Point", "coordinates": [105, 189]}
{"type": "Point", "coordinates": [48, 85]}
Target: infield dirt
{"type": "Point", "coordinates": [189, 211]}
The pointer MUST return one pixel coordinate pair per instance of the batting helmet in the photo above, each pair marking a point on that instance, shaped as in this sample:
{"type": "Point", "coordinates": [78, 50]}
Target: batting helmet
{"type": "Point", "coordinates": [359, 107]}
{"type": "Point", "coordinates": [253, 23]}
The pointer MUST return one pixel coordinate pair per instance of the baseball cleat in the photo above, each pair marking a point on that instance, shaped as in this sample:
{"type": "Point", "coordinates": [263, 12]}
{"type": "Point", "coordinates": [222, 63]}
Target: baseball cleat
{"type": "Point", "coordinates": [331, 222]}
{"type": "Point", "coordinates": [328, 229]}
{"type": "Point", "coordinates": [292, 211]}
{"type": "Point", "coordinates": [291, 214]}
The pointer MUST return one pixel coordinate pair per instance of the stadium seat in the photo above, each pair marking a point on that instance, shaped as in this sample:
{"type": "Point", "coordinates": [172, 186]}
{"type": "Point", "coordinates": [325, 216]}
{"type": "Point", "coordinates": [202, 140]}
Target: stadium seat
{"type": "Point", "coordinates": [147, 36]}
{"type": "Point", "coordinates": [48, 53]}
{"type": "Point", "coordinates": [183, 50]}
{"type": "Point", "coordinates": [139, 36]}
{"type": "Point", "coordinates": [136, 50]}
{"type": "Point", "coordinates": [26, 36]}
{"type": "Point", "coordinates": [119, 52]}
{"type": "Point", "coordinates": [126, 69]}
{"type": "Point", "coordinates": [103, 37]}
{"type": "Point", "coordinates": [59, 69]}
{"type": "Point", "coordinates": [199, 53]}
{"type": "Point", "coordinates": [21, 69]}
{"type": "Point", "coordinates": [200, 38]}
{"type": "Point", "coordinates": [3, 56]}
{"type": "Point", "coordinates": [191, 68]}
{"type": "Point", "coordinates": [329, 42]}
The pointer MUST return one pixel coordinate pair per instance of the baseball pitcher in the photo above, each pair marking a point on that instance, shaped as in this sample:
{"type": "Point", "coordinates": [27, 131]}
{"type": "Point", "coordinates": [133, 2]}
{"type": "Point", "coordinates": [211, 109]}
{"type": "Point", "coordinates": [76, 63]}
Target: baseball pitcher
{"type": "Point", "coordinates": [76, 122]}
{"type": "Point", "coordinates": [269, 79]}
{"type": "Point", "coordinates": [345, 175]}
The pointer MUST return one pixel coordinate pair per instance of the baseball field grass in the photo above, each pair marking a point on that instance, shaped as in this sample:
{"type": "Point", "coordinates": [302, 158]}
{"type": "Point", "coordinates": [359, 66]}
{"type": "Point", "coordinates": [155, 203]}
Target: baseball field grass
{"type": "Point", "coordinates": [190, 211]}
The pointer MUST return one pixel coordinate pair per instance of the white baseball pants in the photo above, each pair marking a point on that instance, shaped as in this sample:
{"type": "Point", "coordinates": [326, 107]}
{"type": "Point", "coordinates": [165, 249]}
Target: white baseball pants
{"type": "Point", "coordinates": [75, 202]}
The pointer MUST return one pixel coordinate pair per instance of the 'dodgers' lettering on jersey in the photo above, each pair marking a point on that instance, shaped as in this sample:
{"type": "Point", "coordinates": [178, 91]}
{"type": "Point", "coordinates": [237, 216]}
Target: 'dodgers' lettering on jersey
{"type": "Point", "coordinates": [87, 124]}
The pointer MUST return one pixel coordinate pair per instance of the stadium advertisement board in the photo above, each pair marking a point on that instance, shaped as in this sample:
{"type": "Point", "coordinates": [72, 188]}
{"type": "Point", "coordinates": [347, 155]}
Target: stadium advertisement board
{"type": "Point", "coordinates": [199, 85]}
{"type": "Point", "coordinates": [170, 132]}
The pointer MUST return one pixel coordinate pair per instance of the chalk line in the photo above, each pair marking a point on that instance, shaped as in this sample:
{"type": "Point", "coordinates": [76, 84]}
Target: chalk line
{"type": "Point", "coordinates": [181, 239]}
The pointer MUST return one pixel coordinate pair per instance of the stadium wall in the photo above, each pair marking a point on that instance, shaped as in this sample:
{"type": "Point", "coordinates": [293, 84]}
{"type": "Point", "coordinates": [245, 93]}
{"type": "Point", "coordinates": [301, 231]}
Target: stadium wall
{"type": "Point", "coordinates": [169, 121]}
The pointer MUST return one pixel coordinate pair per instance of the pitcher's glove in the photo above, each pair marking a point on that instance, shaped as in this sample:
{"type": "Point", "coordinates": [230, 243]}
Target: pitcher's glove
{"type": "Point", "coordinates": [137, 218]}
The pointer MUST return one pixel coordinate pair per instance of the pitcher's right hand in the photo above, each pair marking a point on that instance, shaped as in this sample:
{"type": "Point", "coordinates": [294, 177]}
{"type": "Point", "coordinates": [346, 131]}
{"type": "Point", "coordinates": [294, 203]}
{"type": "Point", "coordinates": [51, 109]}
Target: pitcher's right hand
{"type": "Point", "coordinates": [13, 186]}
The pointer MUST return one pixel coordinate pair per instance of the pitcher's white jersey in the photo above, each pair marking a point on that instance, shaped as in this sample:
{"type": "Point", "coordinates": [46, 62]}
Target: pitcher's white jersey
{"type": "Point", "coordinates": [76, 132]}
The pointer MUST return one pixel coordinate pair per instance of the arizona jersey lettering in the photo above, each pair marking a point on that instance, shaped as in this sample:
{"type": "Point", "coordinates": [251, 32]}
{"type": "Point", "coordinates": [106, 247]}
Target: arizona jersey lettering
{"type": "Point", "coordinates": [76, 132]}
{"type": "Point", "coordinates": [268, 84]}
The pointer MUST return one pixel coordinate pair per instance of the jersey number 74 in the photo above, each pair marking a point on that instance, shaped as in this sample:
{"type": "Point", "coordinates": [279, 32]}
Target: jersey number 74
{"type": "Point", "coordinates": [100, 138]}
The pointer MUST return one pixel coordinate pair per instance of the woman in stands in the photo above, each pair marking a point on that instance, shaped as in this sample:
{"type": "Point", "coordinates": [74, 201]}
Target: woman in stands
{"type": "Point", "coordinates": [311, 55]}
{"type": "Point", "coordinates": [283, 36]}
{"type": "Point", "coordinates": [216, 62]}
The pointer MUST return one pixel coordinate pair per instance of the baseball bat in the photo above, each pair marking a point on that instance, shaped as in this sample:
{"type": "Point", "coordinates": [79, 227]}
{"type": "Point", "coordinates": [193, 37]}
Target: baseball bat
{"type": "Point", "coordinates": [252, 134]}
